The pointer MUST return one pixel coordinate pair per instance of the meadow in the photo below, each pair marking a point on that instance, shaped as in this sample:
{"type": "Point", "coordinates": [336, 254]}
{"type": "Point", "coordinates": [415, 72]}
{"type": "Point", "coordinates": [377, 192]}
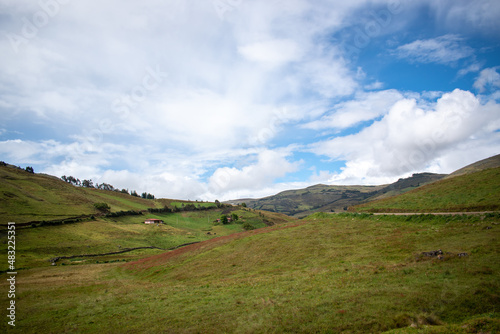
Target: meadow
{"type": "Point", "coordinates": [346, 273]}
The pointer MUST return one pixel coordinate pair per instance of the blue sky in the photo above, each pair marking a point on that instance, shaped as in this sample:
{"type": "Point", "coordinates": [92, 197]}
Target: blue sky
{"type": "Point", "coordinates": [230, 99]}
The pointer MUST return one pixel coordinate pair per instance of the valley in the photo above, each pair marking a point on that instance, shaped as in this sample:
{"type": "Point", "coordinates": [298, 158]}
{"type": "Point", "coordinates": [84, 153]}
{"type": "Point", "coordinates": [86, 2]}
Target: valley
{"type": "Point", "coordinates": [351, 271]}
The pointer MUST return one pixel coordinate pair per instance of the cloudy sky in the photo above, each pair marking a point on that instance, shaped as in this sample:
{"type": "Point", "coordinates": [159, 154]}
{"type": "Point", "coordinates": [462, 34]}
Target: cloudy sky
{"type": "Point", "coordinates": [225, 99]}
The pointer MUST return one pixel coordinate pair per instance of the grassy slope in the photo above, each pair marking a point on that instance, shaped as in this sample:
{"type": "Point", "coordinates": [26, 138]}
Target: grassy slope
{"type": "Point", "coordinates": [336, 274]}
{"type": "Point", "coordinates": [37, 245]}
{"type": "Point", "coordinates": [492, 162]}
{"type": "Point", "coordinates": [26, 197]}
{"type": "Point", "coordinates": [478, 191]}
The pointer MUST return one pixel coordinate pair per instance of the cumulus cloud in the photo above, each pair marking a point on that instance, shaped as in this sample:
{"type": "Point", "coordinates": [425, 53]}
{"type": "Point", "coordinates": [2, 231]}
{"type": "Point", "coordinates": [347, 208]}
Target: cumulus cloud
{"type": "Point", "coordinates": [412, 136]}
{"type": "Point", "coordinates": [269, 166]}
{"type": "Point", "coordinates": [445, 49]}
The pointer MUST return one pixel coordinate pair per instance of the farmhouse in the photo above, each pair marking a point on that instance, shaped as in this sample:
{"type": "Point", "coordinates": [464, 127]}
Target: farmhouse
{"type": "Point", "coordinates": [153, 221]}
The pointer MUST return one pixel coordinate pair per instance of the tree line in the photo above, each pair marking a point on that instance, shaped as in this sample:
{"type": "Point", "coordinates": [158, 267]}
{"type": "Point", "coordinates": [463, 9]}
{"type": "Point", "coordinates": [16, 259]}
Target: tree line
{"type": "Point", "coordinates": [103, 186]}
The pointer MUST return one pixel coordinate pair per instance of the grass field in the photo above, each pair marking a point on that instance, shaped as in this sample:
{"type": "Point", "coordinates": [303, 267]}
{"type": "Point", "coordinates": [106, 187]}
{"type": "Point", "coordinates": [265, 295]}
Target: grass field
{"type": "Point", "coordinates": [477, 191]}
{"type": "Point", "coordinates": [38, 245]}
{"type": "Point", "coordinates": [350, 273]}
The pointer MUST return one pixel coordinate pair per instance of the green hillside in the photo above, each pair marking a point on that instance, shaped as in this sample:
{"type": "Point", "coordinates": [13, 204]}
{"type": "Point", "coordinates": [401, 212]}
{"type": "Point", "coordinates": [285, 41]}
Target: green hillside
{"type": "Point", "coordinates": [345, 273]}
{"type": "Point", "coordinates": [26, 197]}
{"type": "Point", "coordinates": [326, 198]}
{"type": "Point", "coordinates": [492, 162]}
{"type": "Point", "coordinates": [36, 246]}
{"type": "Point", "coordinates": [473, 191]}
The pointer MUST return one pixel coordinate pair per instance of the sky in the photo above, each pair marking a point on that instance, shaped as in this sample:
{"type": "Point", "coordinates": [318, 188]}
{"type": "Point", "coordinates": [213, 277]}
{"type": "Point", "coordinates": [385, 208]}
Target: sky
{"type": "Point", "coordinates": [228, 99]}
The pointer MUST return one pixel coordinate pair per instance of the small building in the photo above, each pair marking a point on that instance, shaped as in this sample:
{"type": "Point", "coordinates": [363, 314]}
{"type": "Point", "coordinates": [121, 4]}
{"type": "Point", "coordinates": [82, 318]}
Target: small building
{"type": "Point", "coordinates": [153, 221]}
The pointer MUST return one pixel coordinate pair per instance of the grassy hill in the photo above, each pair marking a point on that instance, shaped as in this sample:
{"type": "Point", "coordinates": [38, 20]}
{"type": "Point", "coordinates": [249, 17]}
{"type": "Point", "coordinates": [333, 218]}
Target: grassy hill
{"type": "Point", "coordinates": [492, 162]}
{"type": "Point", "coordinates": [345, 273]}
{"type": "Point", "coordinates": [26, 197]}
{"type": "Point", "coordinates": [325, 198]}
{"type": "Point", "coordinates": [49, 201]}
{"type": "Point", "coordinates": [473, 191]}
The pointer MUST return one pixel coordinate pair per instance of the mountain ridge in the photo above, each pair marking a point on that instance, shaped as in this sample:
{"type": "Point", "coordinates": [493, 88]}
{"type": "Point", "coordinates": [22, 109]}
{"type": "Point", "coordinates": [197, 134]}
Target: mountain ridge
{"type": "Point", "coordinates": [335, 198]}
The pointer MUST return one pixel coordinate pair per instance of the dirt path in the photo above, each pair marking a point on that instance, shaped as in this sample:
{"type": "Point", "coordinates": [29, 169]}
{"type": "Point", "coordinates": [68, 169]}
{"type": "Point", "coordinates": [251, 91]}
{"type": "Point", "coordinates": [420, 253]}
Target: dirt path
{"type": "Point", "coordinates": [429, 213]}
{"type": "Point", "coordinates": [159, 259]}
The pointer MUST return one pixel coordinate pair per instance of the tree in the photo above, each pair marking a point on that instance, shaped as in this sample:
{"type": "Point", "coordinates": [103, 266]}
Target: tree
{"type": "Point", "coordinates": [224, 220]}
{"type": "Point", "coordinates": [105, 186]}
{"type": "Point", "coordinates": [217, 203]}
{"type": "Point", "coordinates": [30, 169]}
{"type": "Point", "coordinates": [244, 205]}
{"type": "Point", "coordinates": [134, 193]}
{"type": "Point", "coordinates": [234, 217]}
{"type": "Point", "coordinates": [70, 179]}
{"type": "Point", "coordinates": [87, 184]}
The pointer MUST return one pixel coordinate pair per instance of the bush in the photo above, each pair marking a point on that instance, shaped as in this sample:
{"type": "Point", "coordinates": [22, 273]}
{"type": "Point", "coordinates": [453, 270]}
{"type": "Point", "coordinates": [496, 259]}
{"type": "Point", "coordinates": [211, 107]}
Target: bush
{"type": "Point", "coordinates": [248, 227]}
{"type": "Point", "coordinates": [104, 207]}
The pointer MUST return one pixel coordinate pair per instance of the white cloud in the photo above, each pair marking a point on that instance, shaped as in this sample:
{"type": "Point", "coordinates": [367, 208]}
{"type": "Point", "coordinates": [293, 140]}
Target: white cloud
{"type": "Point", "coordinates": [445, 49]}
{"type": "Point", "coordinates": [365, 107]}
{"type": "Point", "coordinates": [274, 51]}
{"type": "Point", "coordinates": [412, 139]}
{"type": "Point", "coordinates": [488, 77]}
{"type": "Point", "coordinates": [269, 166]}
{"type": "Point", "coordinates": [475, 67]}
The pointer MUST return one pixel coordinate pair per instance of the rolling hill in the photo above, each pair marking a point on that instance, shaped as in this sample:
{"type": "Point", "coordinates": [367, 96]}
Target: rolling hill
{"type": "Point", "coordinates": [329, 198]}
{"type": "Point", "coordinates": [56, 219]}
{"type": "Point", "coordinates": [27, 196]}
{"type": "Point", "coordinates": [326, 198]}
{"type": "Point", "coordinates": [475, 187]}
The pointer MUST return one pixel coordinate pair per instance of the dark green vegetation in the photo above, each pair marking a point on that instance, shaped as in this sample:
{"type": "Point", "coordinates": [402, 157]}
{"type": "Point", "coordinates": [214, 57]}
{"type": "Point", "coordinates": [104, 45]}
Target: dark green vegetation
{"type": "Point", "coordinates": [323, 198]}
{"type": "Point", "coordinates": [352, 273]}
{"type": "Point", "coordinates": [475, 191]}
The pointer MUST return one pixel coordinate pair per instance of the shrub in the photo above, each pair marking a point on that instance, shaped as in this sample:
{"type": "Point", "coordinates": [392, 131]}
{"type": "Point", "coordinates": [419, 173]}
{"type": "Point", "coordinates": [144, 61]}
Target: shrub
{"type": "Point", "coordinates": [248, 227]}
{"type": "Point", "coordinates": [104, 207]}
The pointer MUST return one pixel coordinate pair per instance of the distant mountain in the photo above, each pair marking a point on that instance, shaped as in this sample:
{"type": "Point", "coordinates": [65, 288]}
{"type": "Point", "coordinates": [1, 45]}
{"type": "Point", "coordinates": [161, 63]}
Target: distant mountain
{"type": "Point", "coordinates": [327, 198]}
